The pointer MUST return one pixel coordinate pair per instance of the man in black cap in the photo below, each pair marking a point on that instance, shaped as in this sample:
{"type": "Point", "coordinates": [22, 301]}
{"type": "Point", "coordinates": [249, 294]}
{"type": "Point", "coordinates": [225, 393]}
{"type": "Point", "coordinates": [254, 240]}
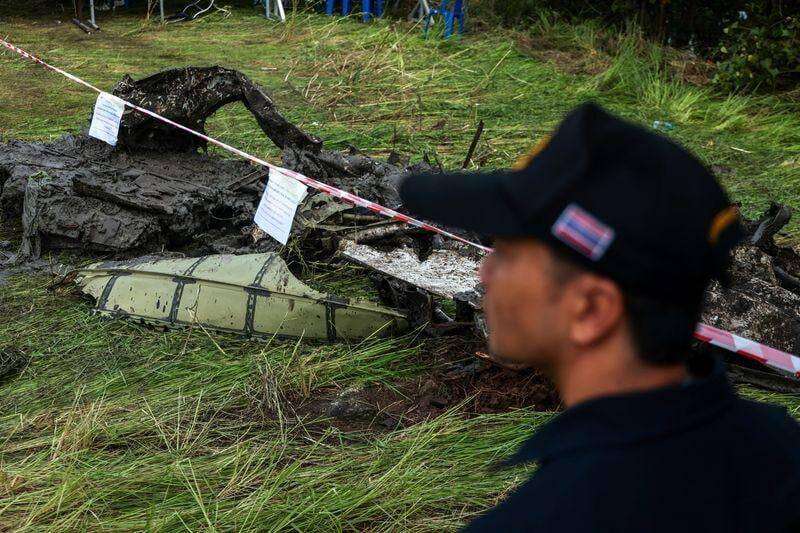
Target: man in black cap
{"type": "Point", "coordinates": [604, 241]}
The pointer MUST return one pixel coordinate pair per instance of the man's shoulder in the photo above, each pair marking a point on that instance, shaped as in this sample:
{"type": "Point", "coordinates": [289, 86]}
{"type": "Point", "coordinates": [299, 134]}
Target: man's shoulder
{"type": "Point", "coordinates": [757, 424]}
{"type": "Point", "coordinates": [749, 453]}
{"type": "Point", "coordinates": [717, 472]}
{"type": "Point", "coordinates": [558, 497]}
{"type": "Point", "coordinates": [768, 413]}
{"type": "Point", "coordinates": [763, 440]}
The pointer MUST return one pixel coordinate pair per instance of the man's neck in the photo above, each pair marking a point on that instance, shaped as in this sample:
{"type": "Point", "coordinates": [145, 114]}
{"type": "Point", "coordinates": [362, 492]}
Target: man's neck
{"type": "Point", "coordinates": [611, 372]}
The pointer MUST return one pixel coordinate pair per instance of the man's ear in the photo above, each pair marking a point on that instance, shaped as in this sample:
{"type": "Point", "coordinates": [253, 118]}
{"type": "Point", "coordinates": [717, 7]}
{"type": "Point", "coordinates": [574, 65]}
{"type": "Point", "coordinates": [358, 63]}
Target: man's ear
{"type": "Point", "coordinates": [597, 310]}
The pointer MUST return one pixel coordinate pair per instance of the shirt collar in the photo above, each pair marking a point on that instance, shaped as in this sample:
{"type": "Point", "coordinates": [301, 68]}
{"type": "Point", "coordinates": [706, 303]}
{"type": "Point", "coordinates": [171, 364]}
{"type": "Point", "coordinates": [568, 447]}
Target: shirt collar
{"type": "Point", "coordinates": [618, 420]}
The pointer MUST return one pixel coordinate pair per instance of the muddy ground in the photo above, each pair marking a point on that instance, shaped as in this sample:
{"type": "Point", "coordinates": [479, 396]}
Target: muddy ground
{"type": "Point", "coordinates": [460, 379]}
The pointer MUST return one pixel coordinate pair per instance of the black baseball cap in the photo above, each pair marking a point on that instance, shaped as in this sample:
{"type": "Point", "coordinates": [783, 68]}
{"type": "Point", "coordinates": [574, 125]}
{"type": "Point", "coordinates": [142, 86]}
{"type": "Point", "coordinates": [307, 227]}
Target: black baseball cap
{"type": "Point", "coordinates": [617, 198]}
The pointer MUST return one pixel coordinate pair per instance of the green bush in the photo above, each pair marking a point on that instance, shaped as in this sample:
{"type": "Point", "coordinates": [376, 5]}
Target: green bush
{"type": "Point", "coordinates": [762, 53]}
{"type": "Point", "coordinates": [756, 43]}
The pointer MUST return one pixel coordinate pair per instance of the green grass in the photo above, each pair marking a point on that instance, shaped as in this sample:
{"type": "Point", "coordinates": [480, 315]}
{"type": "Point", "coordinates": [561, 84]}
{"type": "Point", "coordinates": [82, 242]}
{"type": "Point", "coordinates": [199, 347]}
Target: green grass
{"type": "Point", "coordinates": [114, 426]}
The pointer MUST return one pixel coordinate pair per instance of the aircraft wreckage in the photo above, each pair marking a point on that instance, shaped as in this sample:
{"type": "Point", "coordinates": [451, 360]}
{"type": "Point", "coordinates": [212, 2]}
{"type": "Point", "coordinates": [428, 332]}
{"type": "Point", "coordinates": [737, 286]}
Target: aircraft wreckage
{"type": "Point", "coordinates": [253, 294]}
{"type": "Point", "coordinates": [158, 190]}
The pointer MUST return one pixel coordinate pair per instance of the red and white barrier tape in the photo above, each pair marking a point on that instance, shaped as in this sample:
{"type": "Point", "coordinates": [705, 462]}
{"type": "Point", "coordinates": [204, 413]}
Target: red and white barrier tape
{"type": "Point", "coordinates": [783, 362]}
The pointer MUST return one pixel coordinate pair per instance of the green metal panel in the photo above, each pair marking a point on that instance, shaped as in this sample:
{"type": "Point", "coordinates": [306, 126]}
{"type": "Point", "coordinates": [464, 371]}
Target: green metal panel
{"type": "Point", "coordinates": [249, 294]}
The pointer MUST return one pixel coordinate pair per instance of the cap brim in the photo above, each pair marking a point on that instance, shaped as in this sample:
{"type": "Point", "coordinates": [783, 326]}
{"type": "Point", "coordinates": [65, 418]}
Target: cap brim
{"type": "Point", "coordinates": [470, 201]}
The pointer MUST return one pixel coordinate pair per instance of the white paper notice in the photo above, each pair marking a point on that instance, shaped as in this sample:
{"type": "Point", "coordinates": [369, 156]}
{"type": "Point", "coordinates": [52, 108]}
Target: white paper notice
{"type": "Point", "coordinates": [105, 121]}
{"type": "Point", "coordinates": [276, 210]}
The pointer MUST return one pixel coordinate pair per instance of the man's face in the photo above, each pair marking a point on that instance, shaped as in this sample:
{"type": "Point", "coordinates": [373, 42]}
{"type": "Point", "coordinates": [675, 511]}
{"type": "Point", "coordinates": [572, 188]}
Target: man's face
{"type": "Point", "coordinates": [524, 304]}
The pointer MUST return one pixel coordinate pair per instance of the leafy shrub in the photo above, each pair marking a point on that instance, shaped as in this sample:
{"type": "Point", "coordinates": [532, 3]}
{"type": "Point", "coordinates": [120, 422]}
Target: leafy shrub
{"type": "Point", "coordinates": [759, 54]}
{"type": "Point", "coordinates": [755, 42]}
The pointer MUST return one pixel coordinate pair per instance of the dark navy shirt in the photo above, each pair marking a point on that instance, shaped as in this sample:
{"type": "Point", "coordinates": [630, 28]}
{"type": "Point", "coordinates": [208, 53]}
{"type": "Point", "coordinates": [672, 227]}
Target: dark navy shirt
{"type": "Point", "coordinates": [694, 457]}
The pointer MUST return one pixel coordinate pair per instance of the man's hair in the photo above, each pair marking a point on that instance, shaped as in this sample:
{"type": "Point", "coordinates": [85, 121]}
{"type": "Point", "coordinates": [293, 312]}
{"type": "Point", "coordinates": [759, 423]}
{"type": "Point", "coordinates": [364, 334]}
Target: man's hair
{"type": "Point", "coordinates": [662, 332]}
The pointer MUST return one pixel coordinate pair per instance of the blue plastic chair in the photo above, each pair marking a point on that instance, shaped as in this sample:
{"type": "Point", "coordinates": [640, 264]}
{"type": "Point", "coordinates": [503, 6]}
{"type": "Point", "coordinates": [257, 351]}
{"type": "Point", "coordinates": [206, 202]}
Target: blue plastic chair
{"type": "Point", "coordinates": [453, 11]}
{"type": "Point", "coordinates": [369, 8]}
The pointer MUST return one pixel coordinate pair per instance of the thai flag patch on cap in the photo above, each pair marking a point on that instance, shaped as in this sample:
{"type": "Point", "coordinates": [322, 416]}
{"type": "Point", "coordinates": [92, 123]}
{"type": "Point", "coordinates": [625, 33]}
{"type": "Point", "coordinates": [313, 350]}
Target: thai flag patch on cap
{"type": "Point", "coordinates": [583, 232]}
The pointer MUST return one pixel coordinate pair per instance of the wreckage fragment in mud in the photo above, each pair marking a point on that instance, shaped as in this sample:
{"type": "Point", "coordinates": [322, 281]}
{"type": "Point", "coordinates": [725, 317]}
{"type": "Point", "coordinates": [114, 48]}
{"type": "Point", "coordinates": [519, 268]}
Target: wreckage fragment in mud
{"type": "Point", "coordinates": [755, 305]}
{"type": "Point", "coordinates": [71, 220]}
{"type": "Point", "coordinates": [189, 96]}
{"type": "Point", "coordinates": [249, 294]}
{"type": "Point", "coordinates": [410, 281]}
{"type": "Point", "coordinates": [444, 273]}
{"type": "Point", "coordinates": [359, 174]}
{"type": "Point", "coordinates": [762, 300]}
{"type": "Point", "coordinates": [78, 193]}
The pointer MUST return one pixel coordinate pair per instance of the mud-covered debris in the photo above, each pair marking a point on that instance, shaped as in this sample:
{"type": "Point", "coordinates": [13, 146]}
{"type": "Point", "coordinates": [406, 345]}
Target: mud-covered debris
{"type": "Point", "coordinates": [78, 193]}
{"type": "Point", "coordinates": [352, 404]}
{"type": "Point", "coordinates": [189, 96]}
{"type": "Point", "coordinates": [409, 282]}
{"type": "Point", "coordinates": [154, 190]}
{"type": "Point", "coordinates": [359, 174]}
{"type": "Point", "coordinates": [755, 306]}
{"type": "Point", "coordinates": [105, 225]}
{"type": "Point", "coordinates": [763, 230]}
{"type": "Point", "coordinates": [760, 302]}
{"type": "Point", "coordinates": [248, 294]}
{"type": "Point", "coordinates": [444, 273]}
